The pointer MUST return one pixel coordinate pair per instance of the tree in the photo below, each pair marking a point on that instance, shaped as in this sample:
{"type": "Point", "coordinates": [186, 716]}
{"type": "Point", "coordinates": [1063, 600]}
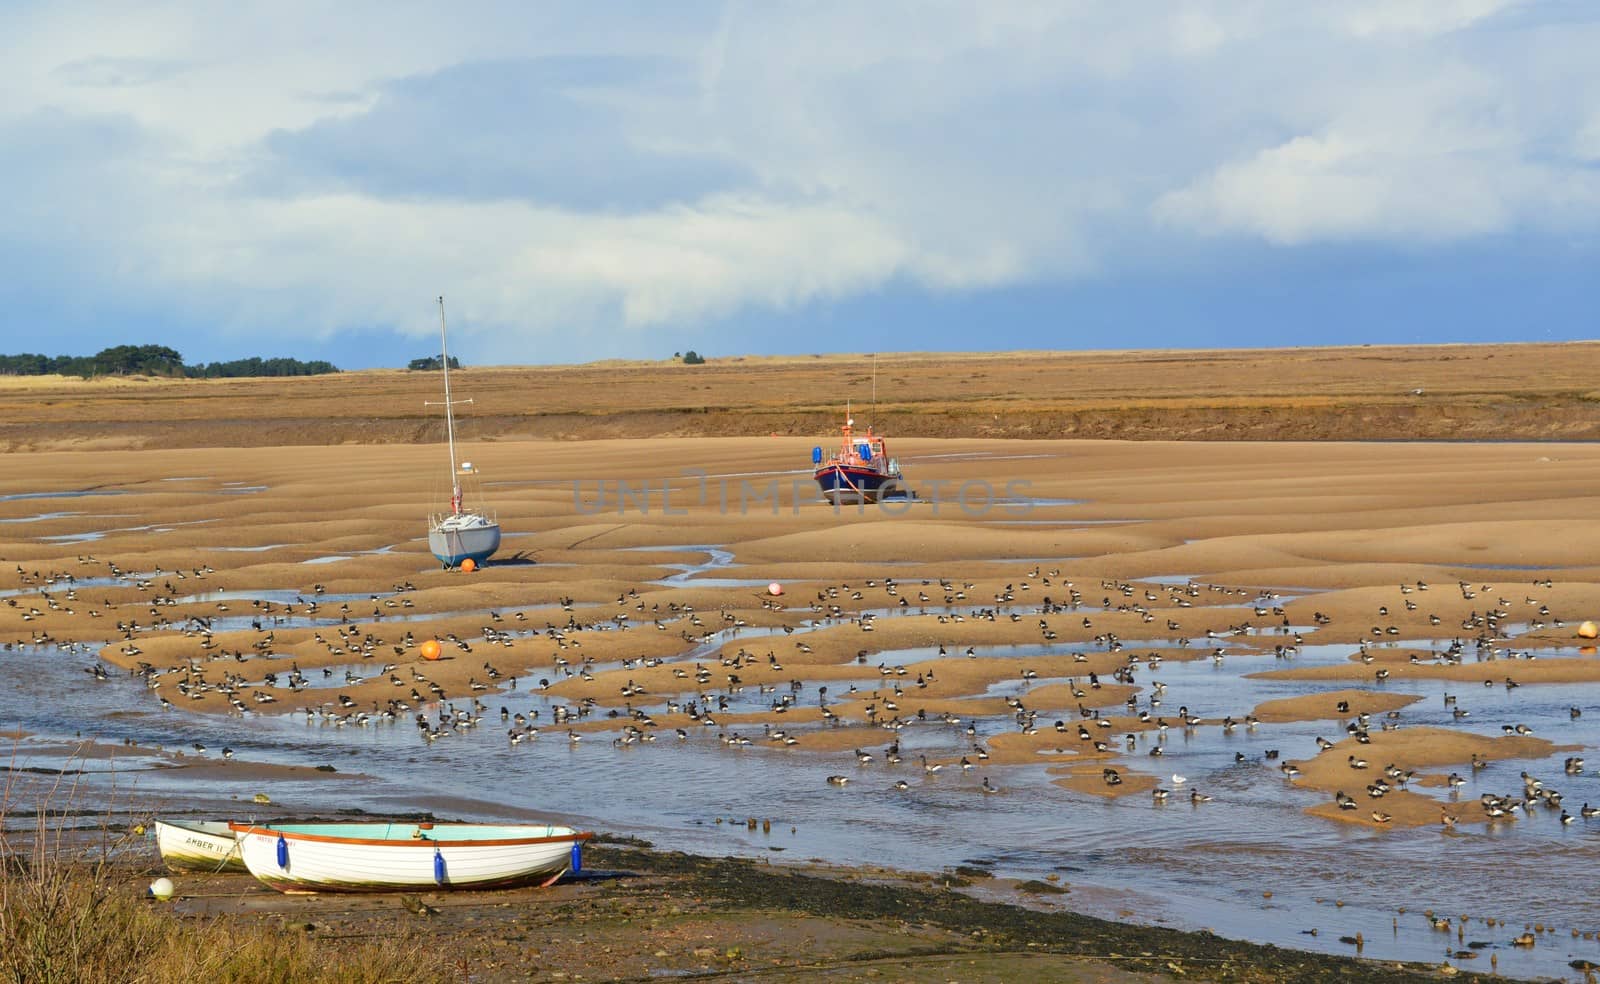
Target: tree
{"type": "Point", "coordinates": [154, 360]}
{"type": "Point", "coordinates": [432, 362]}
{"type": "Point", "coordinates": [150, 360]}
{"type": "Point", "coordinates": [257, 366]}
{"type": "Point", "coordinates": [26, 364]}
{"type": "Point", "coordinates": [693, 358]}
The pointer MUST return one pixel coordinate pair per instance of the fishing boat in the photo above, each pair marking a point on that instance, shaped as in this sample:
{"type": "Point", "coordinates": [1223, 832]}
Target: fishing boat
{"type": "Point", "coordinates": [198, 845]}
{"type": "Point", "coordinates": [384, 856]}
{"type": "Point", "coordinates": [461, 534]}
{"type": "Point", "coordinates": [860, 471]}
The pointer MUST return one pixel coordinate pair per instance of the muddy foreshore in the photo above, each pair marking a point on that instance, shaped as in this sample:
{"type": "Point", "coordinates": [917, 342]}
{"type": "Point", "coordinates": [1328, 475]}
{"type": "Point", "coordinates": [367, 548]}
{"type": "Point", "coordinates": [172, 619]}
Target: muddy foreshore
{"type": "Point", "coordinates": [640, 914]}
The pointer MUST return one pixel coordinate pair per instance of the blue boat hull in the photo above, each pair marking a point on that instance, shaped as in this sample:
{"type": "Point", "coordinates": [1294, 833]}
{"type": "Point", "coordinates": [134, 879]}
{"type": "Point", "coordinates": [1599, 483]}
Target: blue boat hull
{"type": "Point", "coordinates": [842, 484]}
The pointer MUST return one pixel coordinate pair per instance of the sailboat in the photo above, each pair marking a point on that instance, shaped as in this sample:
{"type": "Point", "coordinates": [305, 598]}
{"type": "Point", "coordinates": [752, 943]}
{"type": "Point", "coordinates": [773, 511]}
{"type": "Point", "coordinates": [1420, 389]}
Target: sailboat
{"type": "Point", "coordinates": [460, 534]}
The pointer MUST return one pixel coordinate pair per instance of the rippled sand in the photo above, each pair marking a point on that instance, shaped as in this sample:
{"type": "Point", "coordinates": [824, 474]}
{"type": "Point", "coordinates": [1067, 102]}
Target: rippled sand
{"type": "Point", "coordinates": [1377, 543]}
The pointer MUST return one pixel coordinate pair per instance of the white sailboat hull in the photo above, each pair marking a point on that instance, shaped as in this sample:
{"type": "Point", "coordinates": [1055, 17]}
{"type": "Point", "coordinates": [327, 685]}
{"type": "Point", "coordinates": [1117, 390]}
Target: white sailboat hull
{"type": "Point", "coordinates": [454, 542]}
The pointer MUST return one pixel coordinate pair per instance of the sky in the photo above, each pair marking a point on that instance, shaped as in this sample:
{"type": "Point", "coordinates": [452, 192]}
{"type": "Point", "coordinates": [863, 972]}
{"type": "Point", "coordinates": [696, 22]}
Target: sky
{"type": "Point", "coordinates": [588, 180]}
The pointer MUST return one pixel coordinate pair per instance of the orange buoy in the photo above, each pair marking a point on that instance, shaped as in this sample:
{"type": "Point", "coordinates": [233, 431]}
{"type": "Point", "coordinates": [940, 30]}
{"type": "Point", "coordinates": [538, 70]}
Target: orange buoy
{"type": "Point", "coordinates": [774, 588]}
{"type": "Point", "coordinates": [1588, 630]}
{"type": "Point", "coordinates": [431, 650]}
{"type": "Point", "coordinates": [468, 566]}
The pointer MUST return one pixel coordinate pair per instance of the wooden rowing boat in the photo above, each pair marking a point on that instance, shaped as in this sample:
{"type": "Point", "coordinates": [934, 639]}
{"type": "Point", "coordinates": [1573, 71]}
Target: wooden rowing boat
{"type": "Point", "coordinates": [198, 845]}
{"type": "Point", "coordinates": [384, 856]}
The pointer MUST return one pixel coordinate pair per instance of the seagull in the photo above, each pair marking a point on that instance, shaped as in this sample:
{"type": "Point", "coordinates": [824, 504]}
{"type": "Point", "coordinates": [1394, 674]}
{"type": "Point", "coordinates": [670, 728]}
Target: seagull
{"type": "Point", "coordinates": [1178, 780]}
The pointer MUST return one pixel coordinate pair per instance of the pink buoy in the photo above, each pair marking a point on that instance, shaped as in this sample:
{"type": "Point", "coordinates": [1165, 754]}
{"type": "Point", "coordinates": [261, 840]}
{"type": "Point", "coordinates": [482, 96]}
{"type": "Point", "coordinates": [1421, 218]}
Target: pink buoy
{"type": "Point", "coordinates": [774, 588]}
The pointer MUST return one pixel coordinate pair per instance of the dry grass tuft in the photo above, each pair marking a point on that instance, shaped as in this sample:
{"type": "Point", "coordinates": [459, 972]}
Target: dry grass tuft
{"type": "Point", "coordinates": [74, 910]}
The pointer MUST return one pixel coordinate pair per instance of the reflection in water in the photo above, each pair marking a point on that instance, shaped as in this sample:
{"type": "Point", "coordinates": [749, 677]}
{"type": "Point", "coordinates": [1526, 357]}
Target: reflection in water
{"type": "Point", "coordinates": [335, 558]}
{"type": "Point", "coordinates": [90, 536]}
{"type": "Point", "coordinates": [78, 494]}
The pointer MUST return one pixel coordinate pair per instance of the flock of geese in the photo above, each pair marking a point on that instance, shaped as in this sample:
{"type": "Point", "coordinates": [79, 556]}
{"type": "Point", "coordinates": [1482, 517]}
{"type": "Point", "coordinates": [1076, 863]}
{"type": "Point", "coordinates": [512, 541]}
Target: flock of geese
{"type": "Point", "coordinates": [710, 692]}
{"type": "Point", "coordinates": [217, 670]}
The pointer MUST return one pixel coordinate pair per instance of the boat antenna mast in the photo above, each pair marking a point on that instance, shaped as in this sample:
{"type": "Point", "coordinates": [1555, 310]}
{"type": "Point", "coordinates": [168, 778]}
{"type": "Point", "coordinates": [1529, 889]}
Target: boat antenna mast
{"type": "Point", "coordinates": [872, 418]}
{"type": "Point", "coordinates": [449, 413]}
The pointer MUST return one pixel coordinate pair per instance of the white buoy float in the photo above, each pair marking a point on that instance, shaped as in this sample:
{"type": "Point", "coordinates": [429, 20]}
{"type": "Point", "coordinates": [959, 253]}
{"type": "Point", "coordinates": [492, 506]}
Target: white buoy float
{"type": "Point", "coordinates": [161, 889]}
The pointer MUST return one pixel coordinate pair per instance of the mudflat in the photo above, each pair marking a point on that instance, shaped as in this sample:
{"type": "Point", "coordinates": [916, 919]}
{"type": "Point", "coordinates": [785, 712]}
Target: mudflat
{"type": "Point", "coordinates": [283, 493]}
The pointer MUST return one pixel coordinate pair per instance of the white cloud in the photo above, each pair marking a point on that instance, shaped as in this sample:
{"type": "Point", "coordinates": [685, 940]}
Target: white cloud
{"type": "Point", "coordinates": [951, 146]}
{"type": "Point", "coordinates": [1415, 145]}
{"type": "Point", "coordinates": [1334, 187]}
{"type": "Point", "coordinates": [514, 267]}
{"type": "Point", "coordinates": [1409, 19]}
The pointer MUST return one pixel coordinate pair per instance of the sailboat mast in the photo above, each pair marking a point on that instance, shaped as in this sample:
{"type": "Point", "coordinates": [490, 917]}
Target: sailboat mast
{"type": "Point", "coordinates": [449, 413]}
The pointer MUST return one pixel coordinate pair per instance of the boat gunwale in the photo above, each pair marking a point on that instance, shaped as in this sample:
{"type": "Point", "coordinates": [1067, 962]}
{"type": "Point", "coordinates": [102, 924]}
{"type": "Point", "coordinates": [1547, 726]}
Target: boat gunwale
{"type": "Point", "coordinates": [247, 828]}
{"type": "Point", "coordinates": [853, 469]}
{"type": "Point", "coordinates": [196, 826]}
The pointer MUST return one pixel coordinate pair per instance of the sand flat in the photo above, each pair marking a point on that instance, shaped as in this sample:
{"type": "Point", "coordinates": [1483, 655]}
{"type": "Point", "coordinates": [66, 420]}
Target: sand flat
{"type": "Point", "coordinates": [1107, 560]}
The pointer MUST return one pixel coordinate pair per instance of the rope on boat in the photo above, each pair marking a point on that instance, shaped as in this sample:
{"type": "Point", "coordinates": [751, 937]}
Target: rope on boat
{"type": "Point", "coordinates": [853, 486]}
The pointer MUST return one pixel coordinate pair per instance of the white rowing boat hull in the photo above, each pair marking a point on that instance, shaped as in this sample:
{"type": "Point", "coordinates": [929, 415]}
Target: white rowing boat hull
{"type": "Point", "coordinates": [379, 857]}
{"type": "Point", "coordinates": [198, 846]}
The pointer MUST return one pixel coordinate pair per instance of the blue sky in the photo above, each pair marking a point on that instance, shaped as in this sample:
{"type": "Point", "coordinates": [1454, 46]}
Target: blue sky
{"type": "Point", "coordinates": [588, 181]}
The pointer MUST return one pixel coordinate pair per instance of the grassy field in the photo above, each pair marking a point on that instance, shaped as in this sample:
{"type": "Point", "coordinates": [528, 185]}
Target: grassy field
{"type": "Point", "coordinates": [1447, 392]}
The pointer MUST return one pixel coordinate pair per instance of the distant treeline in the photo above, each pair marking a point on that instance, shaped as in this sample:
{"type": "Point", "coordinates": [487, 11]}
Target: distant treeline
{"type": "Point", "coordinates": [432, 362]}
{"type": "Point", "coordinates": [154, 360]}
